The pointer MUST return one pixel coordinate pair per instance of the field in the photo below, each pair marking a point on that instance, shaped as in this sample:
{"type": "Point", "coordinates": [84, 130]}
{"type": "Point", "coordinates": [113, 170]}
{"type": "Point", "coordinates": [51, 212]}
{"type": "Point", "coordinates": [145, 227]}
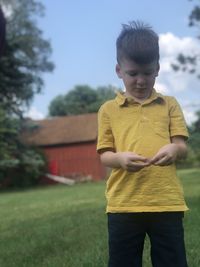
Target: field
{"type": "Point", "coordinates": [60, 226]}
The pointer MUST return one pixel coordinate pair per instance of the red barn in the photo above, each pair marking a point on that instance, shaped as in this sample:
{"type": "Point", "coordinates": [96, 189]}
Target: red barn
{"type": "Point", "coordinates": [69, 143]}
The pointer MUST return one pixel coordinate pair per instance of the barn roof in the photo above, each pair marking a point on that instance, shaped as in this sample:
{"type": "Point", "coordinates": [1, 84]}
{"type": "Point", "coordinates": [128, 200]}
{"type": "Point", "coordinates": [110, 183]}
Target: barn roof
{"type": "Point", "coordinates": [61, 130]}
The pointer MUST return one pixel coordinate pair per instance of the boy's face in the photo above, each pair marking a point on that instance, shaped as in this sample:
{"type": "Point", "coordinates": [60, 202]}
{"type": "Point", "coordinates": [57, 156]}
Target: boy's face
{"type": "Point", "coordinates": [138, 79]}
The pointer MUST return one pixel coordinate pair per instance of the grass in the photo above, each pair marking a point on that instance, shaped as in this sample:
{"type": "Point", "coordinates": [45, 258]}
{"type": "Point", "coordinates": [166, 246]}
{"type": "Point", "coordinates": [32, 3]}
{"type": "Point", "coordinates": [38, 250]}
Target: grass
{"type": "Point", "coordinates": [59, 226]}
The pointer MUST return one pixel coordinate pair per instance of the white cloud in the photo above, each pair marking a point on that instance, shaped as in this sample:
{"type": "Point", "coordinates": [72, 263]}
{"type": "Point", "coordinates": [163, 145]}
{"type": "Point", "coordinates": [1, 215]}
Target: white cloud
{"type": "Point", "coordinates": [161, 88]}
{"type": "Point", "coordinates": [189, 116]}
{"type": "Point", "coordinates": [7, 10]}
{"type": "Point", "coordinates": [34, 114]}
{"type": "Point", "coordinates": [182, 85]}
{"type": "Point", "coordinates": [170, 47]}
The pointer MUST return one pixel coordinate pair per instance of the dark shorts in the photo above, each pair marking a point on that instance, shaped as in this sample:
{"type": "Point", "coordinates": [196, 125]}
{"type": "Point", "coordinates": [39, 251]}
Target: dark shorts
{"type": "Point", "coordinates": [127, 232]}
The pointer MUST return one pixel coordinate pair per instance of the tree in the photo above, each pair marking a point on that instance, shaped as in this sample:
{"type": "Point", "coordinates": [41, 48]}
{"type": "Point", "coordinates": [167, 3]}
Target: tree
{"type": "Point", "coordinates": [191, 65]}
{"type": "Point", "coordinates": [24, 60]}
{"type": "Point", "coordinates": [81, 99]}
{"type": "Point", "coordinates": [193, 157]}
{"type": "Point", "coordinates": [19, 165]}
{"type": "Point", "coordinates": [194, 140]}
{"type": "Point", "coordinates": [2, 31]}
{"type": "Point", "coordinates": [187, 62]}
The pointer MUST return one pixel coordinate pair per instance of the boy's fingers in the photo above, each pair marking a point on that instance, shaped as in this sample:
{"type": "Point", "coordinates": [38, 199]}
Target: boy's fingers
{"type": "Point", "coordinates": [154, 159]}
{"type": "Point", "coordinates": [163, 161]}
{"type": "Point", "coordinates": [138, 165]}
{"type": "Point", "coordinates": [159, 162]}
{"type": "Point", "coordinates": [157, 158]}
{"type": "Point", "coordinates": [139, 158]}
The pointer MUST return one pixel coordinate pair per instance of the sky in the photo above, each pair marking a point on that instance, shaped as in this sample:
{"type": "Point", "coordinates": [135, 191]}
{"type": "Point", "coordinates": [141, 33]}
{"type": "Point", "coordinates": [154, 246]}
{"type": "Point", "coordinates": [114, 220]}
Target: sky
{"type": "Point", "coordinates": [83, 36]}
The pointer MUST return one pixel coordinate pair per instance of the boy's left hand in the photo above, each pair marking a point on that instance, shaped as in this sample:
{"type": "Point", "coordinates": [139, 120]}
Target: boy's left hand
{"type": "Point", "coordinates": [166, 155]}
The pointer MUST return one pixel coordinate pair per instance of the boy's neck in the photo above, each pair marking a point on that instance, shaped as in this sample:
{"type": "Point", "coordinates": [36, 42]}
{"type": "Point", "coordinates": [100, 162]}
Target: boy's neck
{"type": "Point", "coordinates": [139, 100]}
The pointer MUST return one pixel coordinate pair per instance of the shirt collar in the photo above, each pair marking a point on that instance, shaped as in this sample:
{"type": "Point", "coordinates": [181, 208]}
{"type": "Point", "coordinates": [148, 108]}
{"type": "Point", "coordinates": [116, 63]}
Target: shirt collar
{"type": "Point", "coordinates": [121, 99]}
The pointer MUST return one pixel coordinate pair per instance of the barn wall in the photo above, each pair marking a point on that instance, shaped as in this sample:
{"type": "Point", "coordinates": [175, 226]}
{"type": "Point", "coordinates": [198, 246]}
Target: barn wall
{"type": "Point", "coordinates": [67, 160]}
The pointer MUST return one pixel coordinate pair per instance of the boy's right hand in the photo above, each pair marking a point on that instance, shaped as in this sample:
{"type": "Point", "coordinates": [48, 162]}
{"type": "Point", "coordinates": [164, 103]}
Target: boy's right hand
{"type": "Point", "coordinates": [132, 162]}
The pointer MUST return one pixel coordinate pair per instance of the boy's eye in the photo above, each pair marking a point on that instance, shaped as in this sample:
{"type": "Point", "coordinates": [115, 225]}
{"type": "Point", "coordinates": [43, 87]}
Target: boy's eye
{"type": "Point", "coordinates": [148, 73]}
{"type": "Point", "coordinates": [132, 74]}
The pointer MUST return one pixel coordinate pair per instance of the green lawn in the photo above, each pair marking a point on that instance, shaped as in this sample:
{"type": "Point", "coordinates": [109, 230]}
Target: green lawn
{"type": "Point", "coordinates": [60, 226]}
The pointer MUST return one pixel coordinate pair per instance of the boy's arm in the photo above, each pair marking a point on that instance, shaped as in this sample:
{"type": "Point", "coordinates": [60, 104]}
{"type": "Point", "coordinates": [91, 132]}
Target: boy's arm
{"type": "Point", "coordinates": [127, 160]}
{"type": "Point", "coordinates": [171, 152]}
{"type": "Point", "coordinates": [181, 145]}
{"type": "Point", "coordinates": [178, 131]}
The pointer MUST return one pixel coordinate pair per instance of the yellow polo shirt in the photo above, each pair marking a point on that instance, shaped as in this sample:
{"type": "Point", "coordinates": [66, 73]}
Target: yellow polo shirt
{"type": "Point", "coordinates": [126, 125]}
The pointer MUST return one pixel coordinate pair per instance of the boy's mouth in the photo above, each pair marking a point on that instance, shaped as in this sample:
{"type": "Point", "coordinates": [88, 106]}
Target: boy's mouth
{"type": "Point", "coordinates": [142, 89]}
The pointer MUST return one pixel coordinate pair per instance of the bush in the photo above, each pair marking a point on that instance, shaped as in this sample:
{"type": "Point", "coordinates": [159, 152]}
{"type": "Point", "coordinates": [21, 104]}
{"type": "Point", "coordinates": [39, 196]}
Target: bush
{"type": "Point", "coordinates": [24, 171]}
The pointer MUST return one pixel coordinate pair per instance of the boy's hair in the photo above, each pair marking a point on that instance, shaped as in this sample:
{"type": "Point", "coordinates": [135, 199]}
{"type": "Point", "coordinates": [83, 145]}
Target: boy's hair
{"type": "Point", "coordinates": [2, 31]}
{"type": "Point", "coordinates": [138, 42]}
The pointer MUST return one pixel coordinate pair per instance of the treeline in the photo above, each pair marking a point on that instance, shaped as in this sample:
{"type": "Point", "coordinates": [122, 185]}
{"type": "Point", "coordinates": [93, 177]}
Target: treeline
{"type": "Point", "coordinates": [25, 58]}
{"type": "Point", "coordinates": [80, 100]}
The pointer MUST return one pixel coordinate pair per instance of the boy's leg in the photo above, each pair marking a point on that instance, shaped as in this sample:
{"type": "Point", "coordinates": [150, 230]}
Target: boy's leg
{"type": "Point", "coordinates": [126, 239]}
{"type": "Point", "coordinates": [167, 240]}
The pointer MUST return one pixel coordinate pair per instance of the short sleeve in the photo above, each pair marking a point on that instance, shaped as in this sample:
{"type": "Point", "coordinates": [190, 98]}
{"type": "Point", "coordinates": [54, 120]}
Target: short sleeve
{"type": "Point", "coordinates": [177, 120]}
{"type": "Point", "coordinates": [105, 137]}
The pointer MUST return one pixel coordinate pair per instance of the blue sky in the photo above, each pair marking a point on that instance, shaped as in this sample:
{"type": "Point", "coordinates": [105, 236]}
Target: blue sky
{"type": "Point", "coordinates": [83, 35]}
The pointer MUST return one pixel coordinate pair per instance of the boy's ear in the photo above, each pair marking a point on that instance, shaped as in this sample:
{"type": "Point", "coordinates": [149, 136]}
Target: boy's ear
{"type": "Point", "coordinates": [158, 68]}
{"type": "Point", "coordinates": [118, 70]}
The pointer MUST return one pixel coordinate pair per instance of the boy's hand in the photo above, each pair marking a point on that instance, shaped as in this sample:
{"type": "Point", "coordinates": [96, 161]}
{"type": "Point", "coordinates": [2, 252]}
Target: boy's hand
{"type": "Point", "coordinates": [131, 161]}
{"type": "Point", "coordinates": [166, 155]}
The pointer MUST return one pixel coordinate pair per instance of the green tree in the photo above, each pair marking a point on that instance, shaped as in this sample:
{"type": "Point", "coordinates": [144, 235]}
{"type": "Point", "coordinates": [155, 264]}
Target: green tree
{"type": "Point", "coordinates": [19, 165]}
{"type": "Point", "coordinates": [26, 55]}
{"type": "Point", "coordinates": [194, 140]}
{"type": "Point", "coordinates": [25, 59]}
{"type": "Point", "coordinates": [190, 63]}
{"type": "Point", "coordinates": [193, 157]}
{"type": "Point", "coordinates": [82, 99]}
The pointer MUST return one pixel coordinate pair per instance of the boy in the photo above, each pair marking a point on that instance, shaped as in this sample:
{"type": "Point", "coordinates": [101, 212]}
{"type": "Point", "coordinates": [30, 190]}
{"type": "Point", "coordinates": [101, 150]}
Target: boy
{"type": "Point", "coordinates": [141, 134]}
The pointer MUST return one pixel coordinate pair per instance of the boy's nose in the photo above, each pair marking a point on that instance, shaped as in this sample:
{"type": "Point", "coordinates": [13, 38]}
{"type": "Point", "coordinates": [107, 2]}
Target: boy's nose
{"type": "Point", "coordinates": [141, 81]}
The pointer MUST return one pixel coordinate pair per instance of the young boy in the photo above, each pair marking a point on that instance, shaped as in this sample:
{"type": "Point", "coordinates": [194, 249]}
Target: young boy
{"type": "Point", "coordinates": [141, 135]}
